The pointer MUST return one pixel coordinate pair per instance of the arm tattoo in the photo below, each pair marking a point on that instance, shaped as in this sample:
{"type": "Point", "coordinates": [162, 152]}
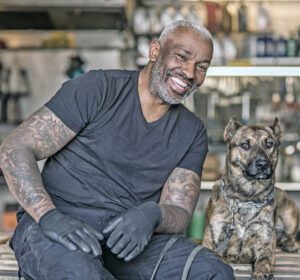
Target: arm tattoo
{"type": "Point", "coordinates": [178, 200]}
{"type": "Point", "coordinates": [39, 137]}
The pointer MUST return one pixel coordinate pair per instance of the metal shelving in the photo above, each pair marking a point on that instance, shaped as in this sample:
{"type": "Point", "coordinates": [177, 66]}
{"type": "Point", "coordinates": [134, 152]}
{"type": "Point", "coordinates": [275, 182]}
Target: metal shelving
{"type": "Point", "coordinates": [254, 71]}
{"type": "Point", "coordinates": [257, 71]}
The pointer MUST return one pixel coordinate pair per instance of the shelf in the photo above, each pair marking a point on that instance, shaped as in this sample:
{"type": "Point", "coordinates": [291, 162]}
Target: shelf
{"type": "Point", "coordinates": [287, 186]}
{"type": "Point", "coordinates": [59, 3]}
{"type": "Point", "coordinates": [256, 66]}
{"type": "Point", "coordinates": [150, 3]}
{"type": "Point", "coordinates": [59, 49]}
{"type": "Point", "coordinates": [274, 61]}
{"type": "Point", "coordinates": [254, 71]}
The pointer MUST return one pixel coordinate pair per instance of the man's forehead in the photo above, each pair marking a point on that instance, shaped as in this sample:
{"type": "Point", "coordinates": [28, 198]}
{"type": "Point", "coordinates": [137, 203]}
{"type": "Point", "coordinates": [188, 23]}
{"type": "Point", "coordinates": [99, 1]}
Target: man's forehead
{"type": "Point", "coordinates": [183, 37]}
{"type": "Point", "coordinates": [190, 41]}
{"type": "Point", "coordinates": [183, 31]}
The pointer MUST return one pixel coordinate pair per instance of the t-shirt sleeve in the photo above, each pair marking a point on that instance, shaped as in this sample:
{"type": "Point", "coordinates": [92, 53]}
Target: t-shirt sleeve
{"type": "Point", "coordinates": [194, 158]}
{"type": "Point", "coordinates": [78, 100]}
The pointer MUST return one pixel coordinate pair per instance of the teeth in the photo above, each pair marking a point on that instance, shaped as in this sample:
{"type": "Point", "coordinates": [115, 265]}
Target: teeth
{"type": "Point", "coordinates": [179, 82]}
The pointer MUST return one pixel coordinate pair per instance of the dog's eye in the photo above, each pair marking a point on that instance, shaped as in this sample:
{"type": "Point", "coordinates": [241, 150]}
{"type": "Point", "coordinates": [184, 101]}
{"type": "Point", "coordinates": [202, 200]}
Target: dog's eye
{"type": "Point", "coordinates": [269, 143]}
{"type": "Point", "coordinates": [245, 145]}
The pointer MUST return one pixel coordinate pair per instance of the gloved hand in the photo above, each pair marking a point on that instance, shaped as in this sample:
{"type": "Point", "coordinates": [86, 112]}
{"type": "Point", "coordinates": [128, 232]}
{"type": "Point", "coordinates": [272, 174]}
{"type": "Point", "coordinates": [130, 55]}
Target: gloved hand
{"type": "Point", "coordinates": [131, 231]}
{"type": "Point", "coordinates": [71, 232]}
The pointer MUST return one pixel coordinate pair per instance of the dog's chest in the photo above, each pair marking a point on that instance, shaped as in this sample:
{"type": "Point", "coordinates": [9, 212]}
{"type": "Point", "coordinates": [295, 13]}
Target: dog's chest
{"type": "Point", "coordinates": [234, 226]}
{"type": "Point", "coordinates": [241, 219]}
{"type": "Point", "coordinates": [229, 221]}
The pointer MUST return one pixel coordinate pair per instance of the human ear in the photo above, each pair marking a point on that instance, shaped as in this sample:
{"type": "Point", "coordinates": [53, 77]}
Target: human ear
{"type": "Point", "coordinates": [154, 50]}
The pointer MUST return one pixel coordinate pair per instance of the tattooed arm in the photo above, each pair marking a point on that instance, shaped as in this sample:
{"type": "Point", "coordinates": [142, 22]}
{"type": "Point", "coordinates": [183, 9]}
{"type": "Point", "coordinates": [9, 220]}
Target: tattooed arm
{"type": "Point", "coordinates": [178, 200]}
{"type": "Point", "coordinates": [40, 136]}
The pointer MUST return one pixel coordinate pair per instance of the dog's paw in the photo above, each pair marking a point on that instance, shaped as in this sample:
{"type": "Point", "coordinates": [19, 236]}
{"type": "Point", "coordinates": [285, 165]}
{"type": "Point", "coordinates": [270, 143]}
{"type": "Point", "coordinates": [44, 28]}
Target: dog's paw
{"type": "Point", "coordinates": [262, 276]}
{"type": "Point", "coordinates": [289, 246]}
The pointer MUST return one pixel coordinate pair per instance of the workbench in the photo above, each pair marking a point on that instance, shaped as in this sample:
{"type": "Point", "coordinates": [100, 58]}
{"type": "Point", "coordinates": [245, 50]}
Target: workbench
{"type": "Point", "coordinates": [287, 265]}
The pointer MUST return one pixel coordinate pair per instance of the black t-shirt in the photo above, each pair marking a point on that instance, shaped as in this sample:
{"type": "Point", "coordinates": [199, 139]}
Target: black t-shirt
{"type": "Point", "coordinates": [117, 159]}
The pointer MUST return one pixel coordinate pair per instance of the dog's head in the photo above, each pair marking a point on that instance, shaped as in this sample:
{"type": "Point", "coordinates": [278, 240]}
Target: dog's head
{"type": "Point", "coordinates": [253, 150]}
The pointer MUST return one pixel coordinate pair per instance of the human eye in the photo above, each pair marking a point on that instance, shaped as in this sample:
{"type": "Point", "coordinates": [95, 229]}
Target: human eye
{"type": "Point", "coordinates": [181, 56]}
{"type": "Point", "coordinates": [202, 67]}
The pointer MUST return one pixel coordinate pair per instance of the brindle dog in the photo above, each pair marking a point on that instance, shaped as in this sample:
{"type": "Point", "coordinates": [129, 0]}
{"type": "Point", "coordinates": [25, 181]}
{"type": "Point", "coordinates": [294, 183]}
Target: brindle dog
{"type": "Point", "coordinates": [247, 216]}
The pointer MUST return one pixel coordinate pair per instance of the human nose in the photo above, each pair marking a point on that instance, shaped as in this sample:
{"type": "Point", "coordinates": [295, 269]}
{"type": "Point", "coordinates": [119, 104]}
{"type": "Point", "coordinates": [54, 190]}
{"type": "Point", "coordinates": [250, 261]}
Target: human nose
{"type": "Point", "coordinates": [189, 70]}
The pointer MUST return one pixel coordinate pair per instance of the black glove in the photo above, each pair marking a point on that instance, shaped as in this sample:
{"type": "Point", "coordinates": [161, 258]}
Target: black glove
{"type": "Point", "coordinates": [131, 231]}
{"type": "Point", "coordinates": [71, 232]}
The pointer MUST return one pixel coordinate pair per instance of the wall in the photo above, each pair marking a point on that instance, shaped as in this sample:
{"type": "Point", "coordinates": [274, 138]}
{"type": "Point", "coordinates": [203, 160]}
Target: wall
{"type": "Point", "coordinates": [46, 69]}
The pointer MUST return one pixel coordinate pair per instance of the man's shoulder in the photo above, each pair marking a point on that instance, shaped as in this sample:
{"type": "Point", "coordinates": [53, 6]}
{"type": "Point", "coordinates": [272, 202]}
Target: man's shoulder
{"type": "Point", "coordinates": [113, 74]}
{"type": "Point", "coordinates": [99, 76]}
{"type": "Point", "coordinates": [189, 116]}
{"type": "Point", "coordinates": [119, 73]}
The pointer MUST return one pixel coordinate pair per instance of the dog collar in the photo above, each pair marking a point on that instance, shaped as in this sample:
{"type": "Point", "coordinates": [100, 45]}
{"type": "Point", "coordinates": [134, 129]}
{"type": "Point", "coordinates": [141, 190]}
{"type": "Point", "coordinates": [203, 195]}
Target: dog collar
{"type": "Point", "coordinates": [235, 205]}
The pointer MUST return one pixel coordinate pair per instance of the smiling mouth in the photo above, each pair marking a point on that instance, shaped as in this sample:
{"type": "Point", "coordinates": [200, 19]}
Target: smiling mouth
{"type": "Point", "coordinates": [178, 85]}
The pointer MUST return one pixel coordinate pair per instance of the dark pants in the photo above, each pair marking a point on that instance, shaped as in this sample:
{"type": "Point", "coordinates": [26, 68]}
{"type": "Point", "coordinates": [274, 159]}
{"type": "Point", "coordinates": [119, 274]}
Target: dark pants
{"type": "Point", "coordinates": [39, 258]}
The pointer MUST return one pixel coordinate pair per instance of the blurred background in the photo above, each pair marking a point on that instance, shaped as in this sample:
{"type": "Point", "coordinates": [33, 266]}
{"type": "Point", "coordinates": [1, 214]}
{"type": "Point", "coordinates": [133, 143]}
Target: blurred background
{"type": "Point", "coordinates": [255, 74]}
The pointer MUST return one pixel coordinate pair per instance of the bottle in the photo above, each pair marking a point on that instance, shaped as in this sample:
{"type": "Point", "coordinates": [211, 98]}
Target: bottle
{"type": "Point", "coordinates": [263, 20]}
{"type": "Point", "coordinates": [260, 46]}
{"type": "Point", "coordinates": [269, 49]}
{"type": "Point", "coordinates": [1, 90]}
{"type": "Point", "coordinates": [298, 44]}
{"type": "Point", "coordinates": [281, 47]}
{"type": "Point", "coordinates": [197, 226]}
{"type": "Point", "coordinates": [226, 19]}
{"type": "Point", "coordinates": [5, 89]}
{"type": "Point", "coordinates": [291, 46]}
{"type": "Point", "coordinates": [242, 18]}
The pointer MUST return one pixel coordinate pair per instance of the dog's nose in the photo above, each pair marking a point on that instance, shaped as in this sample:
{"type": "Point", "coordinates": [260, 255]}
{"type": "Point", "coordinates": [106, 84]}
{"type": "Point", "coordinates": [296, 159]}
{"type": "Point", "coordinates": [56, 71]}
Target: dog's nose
{"type": "Point", "coordinates": [259, 168]}
{"type": "Point", "coordinates": [261, 163]}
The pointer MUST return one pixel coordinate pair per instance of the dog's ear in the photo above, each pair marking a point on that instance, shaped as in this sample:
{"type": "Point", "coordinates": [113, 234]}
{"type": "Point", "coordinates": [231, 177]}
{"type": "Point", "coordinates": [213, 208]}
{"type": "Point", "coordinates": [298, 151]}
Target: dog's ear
{"type": "Point", "coordinates": [276, 128]}
{"type": "Point", "coordinates": [231, 128]}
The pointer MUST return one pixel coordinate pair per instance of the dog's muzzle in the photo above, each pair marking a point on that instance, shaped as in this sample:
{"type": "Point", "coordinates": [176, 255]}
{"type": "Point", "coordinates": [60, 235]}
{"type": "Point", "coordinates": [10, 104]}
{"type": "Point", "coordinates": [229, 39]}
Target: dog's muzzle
{"type": "Point", "coordinates": [259, 168]}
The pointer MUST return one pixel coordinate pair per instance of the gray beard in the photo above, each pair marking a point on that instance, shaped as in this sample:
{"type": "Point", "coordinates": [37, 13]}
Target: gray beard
{"type": "Point", "coordinates": [159, 88]}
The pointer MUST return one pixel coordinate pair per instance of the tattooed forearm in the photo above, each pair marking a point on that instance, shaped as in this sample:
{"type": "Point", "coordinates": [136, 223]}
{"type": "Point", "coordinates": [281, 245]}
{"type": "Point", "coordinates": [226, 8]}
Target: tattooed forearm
{"type": "Point", "coordinates": [43, 133]}
{"type": "Point", "coordinates": [24, 181]}
{"type": "Point", "coordinates": [40, 136]}
{"type": "Point", "coordinates": [178, 200]}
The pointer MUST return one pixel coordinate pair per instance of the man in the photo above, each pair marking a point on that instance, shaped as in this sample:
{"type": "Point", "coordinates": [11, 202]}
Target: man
{"type": "Point", "coordinates": [122, 175]}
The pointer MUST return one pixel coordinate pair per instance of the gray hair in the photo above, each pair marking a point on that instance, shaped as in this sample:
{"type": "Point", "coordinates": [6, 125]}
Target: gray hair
{"type": "Point", "coordinates": [185, 23]}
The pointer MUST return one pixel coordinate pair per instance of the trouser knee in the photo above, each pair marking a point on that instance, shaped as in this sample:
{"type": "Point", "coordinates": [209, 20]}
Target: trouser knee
{"type": "Point", "coordinates": [212, 266]}
{"type": "Point", "coordinates": [224, 272]}
{"type": "Point", "coordinates": [76, 266]}
{"type": "Point", "coordinates": [73, 265]}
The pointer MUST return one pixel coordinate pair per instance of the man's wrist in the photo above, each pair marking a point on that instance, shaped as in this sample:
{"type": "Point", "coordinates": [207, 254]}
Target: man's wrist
{"type": "Point", "coordinates": [175, 219]}
{"type": "Point", "coordinates": [50, 212]}
{"type": "Point", "coordinates": [152, 209]}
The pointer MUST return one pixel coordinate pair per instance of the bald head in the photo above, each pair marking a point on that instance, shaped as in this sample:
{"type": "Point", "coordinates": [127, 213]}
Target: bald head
{"type": "Point", "coordinates": [181, 24]}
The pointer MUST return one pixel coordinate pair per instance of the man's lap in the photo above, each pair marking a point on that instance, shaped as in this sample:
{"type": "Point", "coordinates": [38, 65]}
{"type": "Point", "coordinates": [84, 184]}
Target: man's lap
{"type": "Point", "coordinates": [205, 266]}
{"type": "Point", "coordinates": [40, 258]}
